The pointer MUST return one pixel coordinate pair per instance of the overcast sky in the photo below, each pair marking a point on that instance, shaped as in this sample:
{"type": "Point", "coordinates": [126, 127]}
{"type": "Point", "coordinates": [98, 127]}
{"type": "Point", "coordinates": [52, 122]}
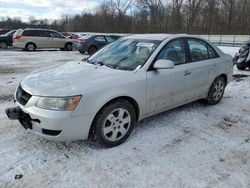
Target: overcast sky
{"type": "Point", "coordinates": [50, 9]}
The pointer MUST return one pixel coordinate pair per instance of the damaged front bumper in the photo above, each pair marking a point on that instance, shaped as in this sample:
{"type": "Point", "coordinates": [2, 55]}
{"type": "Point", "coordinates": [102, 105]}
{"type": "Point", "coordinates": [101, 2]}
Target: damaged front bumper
{"type": "Point", "coordinates": [16, 113]}
{"type": "Point", "coordinates": [52, 125]}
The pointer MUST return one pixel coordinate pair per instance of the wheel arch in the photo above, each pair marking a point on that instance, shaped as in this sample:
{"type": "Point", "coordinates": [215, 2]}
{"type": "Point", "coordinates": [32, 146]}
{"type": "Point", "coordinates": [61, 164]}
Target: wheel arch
{"type": "Point", "coordinates": [225, 77]}
{"type": "Point", "coordinates": [68, 43]}
{"type": "Point", "coordinates": [131, 100]}
{"type": "Point", "coordinates": [92, 45]}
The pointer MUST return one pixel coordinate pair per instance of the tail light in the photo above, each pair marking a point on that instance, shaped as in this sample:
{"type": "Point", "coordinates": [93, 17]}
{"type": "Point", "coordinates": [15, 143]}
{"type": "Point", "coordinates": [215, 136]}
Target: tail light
{"type": "Point", "coordinates": [81, 41]}
{"type": "Point", "coordinates": [17, 37]}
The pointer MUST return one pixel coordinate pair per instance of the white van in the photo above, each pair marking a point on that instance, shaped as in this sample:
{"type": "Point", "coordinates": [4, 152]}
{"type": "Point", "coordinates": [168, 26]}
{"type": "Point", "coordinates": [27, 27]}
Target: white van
{"type": "Point", "coordinates": [32, 39]}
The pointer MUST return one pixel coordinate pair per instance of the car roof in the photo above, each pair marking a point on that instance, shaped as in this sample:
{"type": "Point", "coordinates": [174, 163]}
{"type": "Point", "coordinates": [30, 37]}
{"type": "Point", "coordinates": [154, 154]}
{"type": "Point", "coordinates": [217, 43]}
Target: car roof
{"type": "Point", "coordinates": [37, 29]}
{"type": "Point", "coordinates": [159, 37]}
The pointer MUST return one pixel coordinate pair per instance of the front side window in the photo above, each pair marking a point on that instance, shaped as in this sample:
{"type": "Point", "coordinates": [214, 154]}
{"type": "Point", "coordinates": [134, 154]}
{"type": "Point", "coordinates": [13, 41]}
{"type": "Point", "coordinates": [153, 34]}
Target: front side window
{"type": "Point", "coordinates": [174, 51]}
{"type": "Point", "coordinates": [100, 39]}
{"type": "Point", "coordinates": [125, 54]}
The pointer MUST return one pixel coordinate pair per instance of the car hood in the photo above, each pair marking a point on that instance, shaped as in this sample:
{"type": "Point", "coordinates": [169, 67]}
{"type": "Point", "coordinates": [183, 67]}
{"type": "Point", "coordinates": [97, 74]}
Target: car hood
{"type": "Point", "coordinates": [68, 79]}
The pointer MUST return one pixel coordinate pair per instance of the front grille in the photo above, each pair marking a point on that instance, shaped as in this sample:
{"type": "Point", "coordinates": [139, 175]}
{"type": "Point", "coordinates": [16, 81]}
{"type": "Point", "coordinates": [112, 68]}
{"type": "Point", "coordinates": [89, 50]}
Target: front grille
{"type": "Point", "coordinates": [22, 96]}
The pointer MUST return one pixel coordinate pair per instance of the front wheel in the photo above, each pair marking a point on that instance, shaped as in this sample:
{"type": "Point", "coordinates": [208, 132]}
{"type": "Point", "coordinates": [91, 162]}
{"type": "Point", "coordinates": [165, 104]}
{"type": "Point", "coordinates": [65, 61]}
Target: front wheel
{"type": "Point", "coordinates": [216, 91]}
{"type": "Point", "coordinates": [241, 67]}
{"type": "Point", "coordinates": [69, 47]}
{"type": "Point", "coordinates": [114, 123]}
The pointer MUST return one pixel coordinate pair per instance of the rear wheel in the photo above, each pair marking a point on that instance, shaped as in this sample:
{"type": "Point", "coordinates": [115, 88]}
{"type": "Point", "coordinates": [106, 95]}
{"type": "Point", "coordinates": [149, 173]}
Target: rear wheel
{"type": "Point", "coordinates": [216, 91]}
{"type": "Point", "coordinates": [114, 123]}
{"type": "Point", "coordinates": [69, 47]}
{"type": "Point", "coordinates": [30, 47]}
{"type": "Point", "coordinates": [3, 45]}
{"type": "Point", "coordinates": [81, 51]}
{"type": "Point", "coordinates": [92, 50]}
{"type": "Point", "coordinates": [241, 67]}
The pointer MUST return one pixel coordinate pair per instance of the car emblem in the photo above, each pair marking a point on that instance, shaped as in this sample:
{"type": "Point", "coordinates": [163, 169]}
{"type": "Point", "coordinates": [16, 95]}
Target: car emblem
{"type": "Point", "coordinates": [19, 93]}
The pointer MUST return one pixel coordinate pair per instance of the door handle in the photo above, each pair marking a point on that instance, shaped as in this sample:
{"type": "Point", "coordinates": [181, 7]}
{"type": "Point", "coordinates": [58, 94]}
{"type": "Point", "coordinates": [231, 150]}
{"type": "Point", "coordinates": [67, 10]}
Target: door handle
{"type": "Point", "coordinates": [187, 73]}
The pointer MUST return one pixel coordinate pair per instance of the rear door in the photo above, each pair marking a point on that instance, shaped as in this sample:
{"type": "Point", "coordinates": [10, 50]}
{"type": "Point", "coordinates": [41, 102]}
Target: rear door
{"type": "Point", "coordinates": [201, 70]}
{"type": "Point", "coordinates": [57, 40]}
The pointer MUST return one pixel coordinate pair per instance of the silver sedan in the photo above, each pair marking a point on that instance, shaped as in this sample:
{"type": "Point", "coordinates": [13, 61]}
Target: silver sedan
{"type": "Point", "coordinates": [103, 96]}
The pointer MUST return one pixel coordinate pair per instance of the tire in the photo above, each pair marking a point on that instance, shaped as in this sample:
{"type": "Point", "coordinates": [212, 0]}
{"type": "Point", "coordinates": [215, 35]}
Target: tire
{"type": "Point", "coordinates": [92, 50]}
{"type": "Point", "coordinates": [241, 67]}
{"type": "Point", "coordinates": [30, 47]}
{"type": "Point", "coordinates": [216, 91]}
{"type": "Point", "coordinates": [81, 51]}
{"type": "Point", "coordinates": [3, 45]}
{"type": "Point", "coordinates": [69, 47]}
{"type": "Point", "coordinates": [114, 123]}
{"type": "Point", "coordinates": [62, 49]}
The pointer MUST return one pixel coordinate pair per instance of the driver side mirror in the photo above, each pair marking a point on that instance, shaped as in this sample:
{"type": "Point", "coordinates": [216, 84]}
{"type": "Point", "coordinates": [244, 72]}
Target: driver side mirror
{"type": "Point", "coordinates": [164, 64]}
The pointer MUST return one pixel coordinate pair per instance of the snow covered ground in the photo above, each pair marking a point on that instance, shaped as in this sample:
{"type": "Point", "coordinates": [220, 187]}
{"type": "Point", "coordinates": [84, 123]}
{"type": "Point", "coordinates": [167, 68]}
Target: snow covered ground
{"type": "Point", "coordinates": [191, 146]}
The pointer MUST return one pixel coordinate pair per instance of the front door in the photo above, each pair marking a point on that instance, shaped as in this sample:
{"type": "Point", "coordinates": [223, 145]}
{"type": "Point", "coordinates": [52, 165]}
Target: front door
{"type": "Point", "coordinates": [166, 87]}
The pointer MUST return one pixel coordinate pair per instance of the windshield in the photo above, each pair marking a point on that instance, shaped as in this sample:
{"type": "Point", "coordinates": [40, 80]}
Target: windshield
{"type": "Point", "coordinates": [125, 54]}
{"type": "Point", "coordinates": [9, 33]}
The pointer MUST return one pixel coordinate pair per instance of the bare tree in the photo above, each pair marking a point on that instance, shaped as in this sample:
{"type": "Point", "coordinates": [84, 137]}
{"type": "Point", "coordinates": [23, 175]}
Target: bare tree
{"type": "Point", "coordinates": [144, 16]}
{"type": "Point", "coordinates": [230, 10]}
{"type": "Point", "coordinates": [177, 18]}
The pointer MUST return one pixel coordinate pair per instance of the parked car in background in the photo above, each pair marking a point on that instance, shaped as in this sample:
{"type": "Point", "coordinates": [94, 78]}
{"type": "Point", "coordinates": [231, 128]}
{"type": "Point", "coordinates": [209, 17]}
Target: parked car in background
{"type": "Point", "coordinates": [6, 39]}
{"type": "Point", "coordinates": [70, 35]}
{"type": "Point", "coordinates": [32, 39]}
{"type": "Point", "coordinates": [131, 79]}
{"type": "Point", "coordinates": [92, 43]}
{"type": "Point", "coordinates": [242, 58]}
{"type": "Point", "coordinates": [3, 31]}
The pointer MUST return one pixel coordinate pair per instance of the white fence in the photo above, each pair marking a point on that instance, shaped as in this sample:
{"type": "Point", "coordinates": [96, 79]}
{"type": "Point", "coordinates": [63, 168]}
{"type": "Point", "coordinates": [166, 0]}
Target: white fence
{"type": "Point", "coordinates": [227, 40]}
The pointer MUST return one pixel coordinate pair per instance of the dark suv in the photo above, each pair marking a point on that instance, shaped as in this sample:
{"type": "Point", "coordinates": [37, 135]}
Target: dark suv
{"type": "Point", "coordinates": [6, 39]}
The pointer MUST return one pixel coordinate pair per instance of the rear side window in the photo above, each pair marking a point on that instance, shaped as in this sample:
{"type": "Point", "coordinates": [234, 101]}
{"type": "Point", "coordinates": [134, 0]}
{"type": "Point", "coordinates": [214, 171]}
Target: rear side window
{"type": "Point", "coordinates": [200, 50]}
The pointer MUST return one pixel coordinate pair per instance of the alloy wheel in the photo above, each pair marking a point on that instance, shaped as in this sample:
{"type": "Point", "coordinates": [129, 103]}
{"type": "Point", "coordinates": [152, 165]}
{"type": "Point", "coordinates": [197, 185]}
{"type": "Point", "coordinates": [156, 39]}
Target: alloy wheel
{"type": "Point", "coordinates": [218, 90]}
{"type": "Point", "coordinates": [117, 124]}
{"type": "Point", "coordinates": [31, 47]}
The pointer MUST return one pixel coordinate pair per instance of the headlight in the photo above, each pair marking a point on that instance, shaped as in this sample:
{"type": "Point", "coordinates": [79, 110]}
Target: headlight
{"type": "Point", "coordinates": [58, 103]}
